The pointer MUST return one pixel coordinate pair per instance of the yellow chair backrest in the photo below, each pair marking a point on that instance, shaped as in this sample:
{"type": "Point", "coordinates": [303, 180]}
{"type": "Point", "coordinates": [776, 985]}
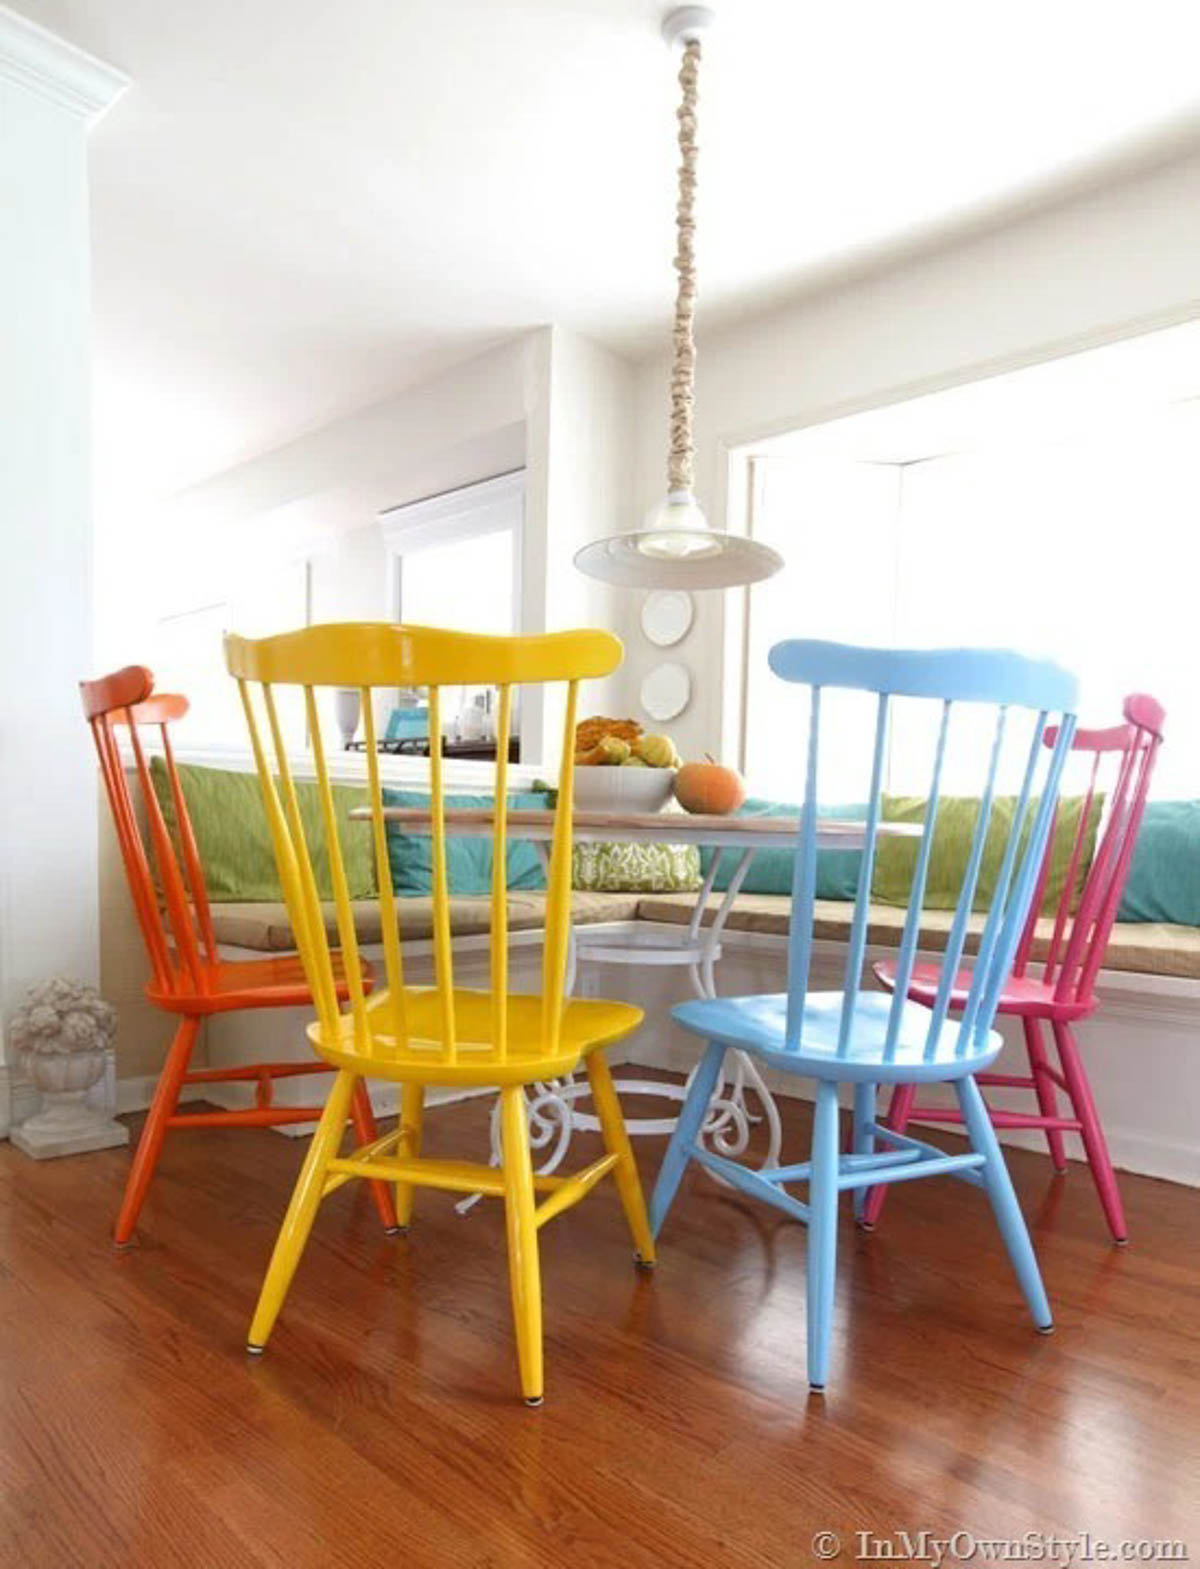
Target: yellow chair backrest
{"type": "Point", "coordinates": [365, 655]}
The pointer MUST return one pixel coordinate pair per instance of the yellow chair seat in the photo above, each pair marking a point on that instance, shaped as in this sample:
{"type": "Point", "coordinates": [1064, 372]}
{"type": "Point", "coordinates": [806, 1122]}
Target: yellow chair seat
{"type": "Point", "coordinates": [421, 1058]}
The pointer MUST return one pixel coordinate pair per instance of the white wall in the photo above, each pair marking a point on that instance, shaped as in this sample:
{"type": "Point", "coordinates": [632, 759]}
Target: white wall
{"type": "Point", "coordinates": [1097, 268]}
{"type": "Point", "coordinates": [589, 446]}
{"type": "Point", "coordinates": [48, 903]}
{"type": "Point", "coordinates": [550, 402]}
{"type": "Point", "coordinates": [1139, 1048]}
{"type": "Point", "coordinates": [306, 496]}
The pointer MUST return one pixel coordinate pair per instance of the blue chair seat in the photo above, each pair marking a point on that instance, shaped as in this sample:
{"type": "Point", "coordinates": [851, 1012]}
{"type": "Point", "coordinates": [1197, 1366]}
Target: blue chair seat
{"type": "Point", "coordinates": [756, 1025]}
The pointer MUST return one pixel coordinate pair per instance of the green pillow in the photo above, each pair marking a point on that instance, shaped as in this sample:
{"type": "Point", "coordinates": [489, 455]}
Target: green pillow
{"type": "Point", "coordinates": [896, 858]}
{"type": "Point", "coordinates": [771, 870]}
{"type": "Point", "coordinates": [468, 861]}
{"type": "Point", "coordinates": [636, 868]}
{"type": "Point", "coordinates": [1164, 876]}
{"type": "Point", "coordinates": [230, 824]}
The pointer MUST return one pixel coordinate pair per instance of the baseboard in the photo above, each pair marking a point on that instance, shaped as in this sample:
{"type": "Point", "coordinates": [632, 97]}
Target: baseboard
{"type": "Point", "coordinates": [135, 1094]}
{"type": "Point", "coordinates": [1132, 1151]}
{"type": "Point", "coordinates": [384, 1102]}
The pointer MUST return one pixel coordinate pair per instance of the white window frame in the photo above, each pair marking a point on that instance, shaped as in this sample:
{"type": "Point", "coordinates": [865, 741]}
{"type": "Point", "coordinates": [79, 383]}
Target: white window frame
{"type": "Point", "coordinates": [489, 507]}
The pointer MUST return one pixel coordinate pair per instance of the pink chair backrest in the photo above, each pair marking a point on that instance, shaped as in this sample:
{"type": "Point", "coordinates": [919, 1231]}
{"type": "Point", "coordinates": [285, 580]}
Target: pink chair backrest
{"type": "Point", "coordinates": [1081, 935]}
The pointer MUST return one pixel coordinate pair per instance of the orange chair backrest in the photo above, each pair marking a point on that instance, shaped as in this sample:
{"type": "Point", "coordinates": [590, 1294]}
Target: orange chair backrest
{"type": "Point", "coordinates": [180, 960]}
{"type": "Point", "coordinates": [365, 655]}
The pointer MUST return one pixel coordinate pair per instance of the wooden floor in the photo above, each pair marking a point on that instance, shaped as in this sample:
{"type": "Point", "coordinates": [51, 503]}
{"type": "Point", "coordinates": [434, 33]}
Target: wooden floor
{"type": "Point", "coordinates": [383, 1425]}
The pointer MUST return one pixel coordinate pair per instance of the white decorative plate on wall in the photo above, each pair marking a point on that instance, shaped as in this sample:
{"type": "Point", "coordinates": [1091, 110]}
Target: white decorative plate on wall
{"type": "Point", "coordinates": [666, 691]}
{"type": "Point", "coordinates": [667, 616]}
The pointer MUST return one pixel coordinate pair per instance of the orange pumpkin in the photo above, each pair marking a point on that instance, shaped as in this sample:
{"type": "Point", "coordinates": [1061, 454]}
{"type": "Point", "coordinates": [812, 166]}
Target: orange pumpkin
{"type": "Point", "coordinates": [708, 787]}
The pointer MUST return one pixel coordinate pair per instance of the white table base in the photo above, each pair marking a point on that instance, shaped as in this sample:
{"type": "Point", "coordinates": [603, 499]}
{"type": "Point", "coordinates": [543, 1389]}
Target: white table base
{"type": "Point", "coordinates": [553, 1115]}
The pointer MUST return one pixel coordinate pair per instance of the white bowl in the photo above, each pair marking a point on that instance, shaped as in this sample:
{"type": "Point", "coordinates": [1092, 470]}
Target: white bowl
{"type": "Point", "coordinates": [605, 789]}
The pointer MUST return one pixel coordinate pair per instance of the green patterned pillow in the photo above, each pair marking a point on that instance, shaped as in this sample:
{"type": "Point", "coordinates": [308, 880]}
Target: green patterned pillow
{"type": "Point", "coordinates": [636, 868]}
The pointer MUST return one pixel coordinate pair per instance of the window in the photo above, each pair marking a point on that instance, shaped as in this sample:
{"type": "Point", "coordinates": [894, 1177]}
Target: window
{"type": "Point", "coordinates": [457, 562]}
{"type": "Point", "coordinates": [458, 557]}
{"type": "Point", "coordinates": [1063, 526]}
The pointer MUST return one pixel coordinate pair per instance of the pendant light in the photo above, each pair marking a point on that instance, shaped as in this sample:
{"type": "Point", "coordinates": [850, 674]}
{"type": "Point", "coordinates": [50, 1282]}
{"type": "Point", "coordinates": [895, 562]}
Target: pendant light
{"type": "Point", "coordinates": [678, 547]}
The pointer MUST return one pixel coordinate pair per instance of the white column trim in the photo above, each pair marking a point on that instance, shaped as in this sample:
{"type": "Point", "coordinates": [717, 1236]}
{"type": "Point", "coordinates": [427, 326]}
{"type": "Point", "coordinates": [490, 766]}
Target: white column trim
{"type": "Point", "coordinates": [51, 68]}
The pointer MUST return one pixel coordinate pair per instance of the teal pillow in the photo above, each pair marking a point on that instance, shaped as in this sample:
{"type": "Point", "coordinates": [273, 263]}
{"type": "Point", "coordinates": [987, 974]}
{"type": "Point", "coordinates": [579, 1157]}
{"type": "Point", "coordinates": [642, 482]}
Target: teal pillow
{"type": "Point", "coordinates": [1164, 876]}
{"type": "Point", "coordinates": [771, 870]}
{"type": "Point", "coordinates": [468, 861]}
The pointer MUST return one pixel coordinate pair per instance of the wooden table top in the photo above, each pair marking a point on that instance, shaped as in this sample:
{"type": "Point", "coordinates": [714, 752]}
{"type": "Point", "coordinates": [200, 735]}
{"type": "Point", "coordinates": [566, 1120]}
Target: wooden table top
{"type": "Point", "coordinates": [747, 833]}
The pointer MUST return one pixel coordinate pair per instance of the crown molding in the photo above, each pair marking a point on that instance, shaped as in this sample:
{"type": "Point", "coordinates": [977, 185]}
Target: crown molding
{"type": "Point", "coordinates": [55, 70]}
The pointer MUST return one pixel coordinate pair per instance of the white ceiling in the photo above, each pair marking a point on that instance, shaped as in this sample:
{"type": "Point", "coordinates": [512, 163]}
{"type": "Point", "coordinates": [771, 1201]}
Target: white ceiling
{"type": "Point", "coordinates": [1106, 393]}
{"type": "Point", "coordinates": [301, 207]}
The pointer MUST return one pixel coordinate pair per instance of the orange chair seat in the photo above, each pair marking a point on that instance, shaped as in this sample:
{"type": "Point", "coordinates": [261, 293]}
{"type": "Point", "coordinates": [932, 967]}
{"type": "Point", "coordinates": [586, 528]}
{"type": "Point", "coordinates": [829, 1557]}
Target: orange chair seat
{"type": "Point", "coordinates": [1024, 996]}
{"type": "Point", "coordinates": [252, 983]}
{"type": "Point", "coordinates": [420, 1059]}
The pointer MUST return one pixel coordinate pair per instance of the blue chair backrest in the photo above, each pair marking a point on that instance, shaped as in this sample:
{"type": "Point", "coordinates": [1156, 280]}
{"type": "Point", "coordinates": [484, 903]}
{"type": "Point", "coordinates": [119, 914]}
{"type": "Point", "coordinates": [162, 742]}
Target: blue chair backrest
{"type": "Point", "coordinates": [1041, 693]}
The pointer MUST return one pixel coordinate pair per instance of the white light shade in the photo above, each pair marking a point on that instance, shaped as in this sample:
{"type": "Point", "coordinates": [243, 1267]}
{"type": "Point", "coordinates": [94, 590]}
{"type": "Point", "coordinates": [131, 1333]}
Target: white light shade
{"type": "Point", "coordinates": [678, 549]}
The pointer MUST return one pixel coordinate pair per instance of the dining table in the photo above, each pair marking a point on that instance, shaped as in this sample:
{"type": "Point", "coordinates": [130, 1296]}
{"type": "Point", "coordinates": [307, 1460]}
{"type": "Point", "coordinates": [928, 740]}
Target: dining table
{"type": "Point", "coordinates": [554, 1115]}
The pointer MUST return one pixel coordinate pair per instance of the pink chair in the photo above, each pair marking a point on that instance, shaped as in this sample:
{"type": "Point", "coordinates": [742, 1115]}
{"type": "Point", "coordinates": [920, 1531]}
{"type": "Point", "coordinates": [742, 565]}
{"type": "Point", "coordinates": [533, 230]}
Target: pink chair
{"type": "Point", "coordinates": [1064, 991]}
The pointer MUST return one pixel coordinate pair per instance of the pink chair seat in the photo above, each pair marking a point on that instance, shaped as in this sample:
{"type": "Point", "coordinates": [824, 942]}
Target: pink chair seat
{"type": "Point", "coordinates": [1024, 996]}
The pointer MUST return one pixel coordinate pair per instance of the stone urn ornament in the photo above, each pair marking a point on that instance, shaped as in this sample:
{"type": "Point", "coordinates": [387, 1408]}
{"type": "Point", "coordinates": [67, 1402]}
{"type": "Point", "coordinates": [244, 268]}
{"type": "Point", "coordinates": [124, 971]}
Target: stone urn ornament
{"type": "Point", "coordinates": [61, 1034]}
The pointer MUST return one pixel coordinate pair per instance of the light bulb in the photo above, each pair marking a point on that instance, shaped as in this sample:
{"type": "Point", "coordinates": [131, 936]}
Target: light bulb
{"type": "Point", "coordinates": [677, 529]}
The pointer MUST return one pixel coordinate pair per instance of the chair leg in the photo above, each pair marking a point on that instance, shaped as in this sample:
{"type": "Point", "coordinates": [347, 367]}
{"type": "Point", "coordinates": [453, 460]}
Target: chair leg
{"type": "Point", "coordinates": [625, 1172]}
{"type": "Point", "coordinates": [861, 1141]}
{"type": "Point", "coordinates": [523, 1267]}
{"type": "Point", "coordinates": [412, 1122]}
{"type": "Point", "coordinates": [1004, 1202]}
{"type": "Point", "coordinates": [1092, 1133]}
{"type": "Point", "coordinates": [687, 1127]}
{"type": "Point", "coordinates": [1044, 1088]}
{"type": "Point", "coordinates": [162, 1108]}
{"type": "Point", "coordinates": [903, 1099]}
{"type": "Point", "coordinates": [366, 1131]}
{"type": "Point", "coordinates": [302, 1210]}
{"type": "Point", "coordinates": [822, 1232]}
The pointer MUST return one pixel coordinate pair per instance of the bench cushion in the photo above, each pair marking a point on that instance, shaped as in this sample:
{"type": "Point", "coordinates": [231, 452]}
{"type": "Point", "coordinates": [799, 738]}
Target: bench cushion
{"type": "Point", "coordinates": [265, 927]}
{"type": "Point", "coordinates": [1147, 948]}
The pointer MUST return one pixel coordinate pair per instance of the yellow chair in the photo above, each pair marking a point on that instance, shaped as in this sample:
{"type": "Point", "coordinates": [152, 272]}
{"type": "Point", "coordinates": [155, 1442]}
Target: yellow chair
{"type": "Point", "coordinates": [441, 1034]}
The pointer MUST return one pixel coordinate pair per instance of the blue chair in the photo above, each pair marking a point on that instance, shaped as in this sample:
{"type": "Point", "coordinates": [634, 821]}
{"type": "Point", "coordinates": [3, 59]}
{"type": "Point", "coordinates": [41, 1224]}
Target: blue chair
{"type": "Point", "coordinates": [864, 1039]}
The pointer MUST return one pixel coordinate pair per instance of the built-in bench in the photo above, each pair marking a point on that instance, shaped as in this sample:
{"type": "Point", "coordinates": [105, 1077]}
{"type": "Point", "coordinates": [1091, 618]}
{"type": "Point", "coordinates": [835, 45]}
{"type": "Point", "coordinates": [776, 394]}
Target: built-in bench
{"type": "Point", "coordinates": [1141, 1044]}
{"type": "Point", "coordinates": [266, 928]}
{"type": "Point", "coordinates": [1144, 948]}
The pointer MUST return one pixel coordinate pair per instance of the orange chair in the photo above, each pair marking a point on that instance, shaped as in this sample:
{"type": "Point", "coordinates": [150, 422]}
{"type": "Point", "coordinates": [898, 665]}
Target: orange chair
{"type": "Point", "coordinates": [188, 979]}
